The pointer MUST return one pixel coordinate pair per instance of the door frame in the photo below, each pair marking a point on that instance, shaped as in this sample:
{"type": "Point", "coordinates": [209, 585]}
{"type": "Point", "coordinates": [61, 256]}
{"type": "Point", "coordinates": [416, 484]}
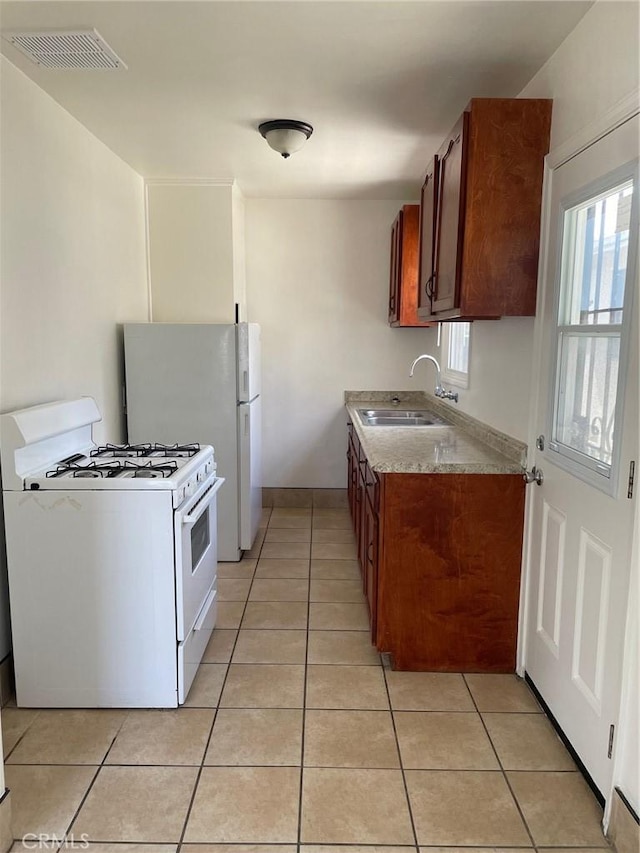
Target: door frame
{"type": "Point", "coordinates": [621, 112]}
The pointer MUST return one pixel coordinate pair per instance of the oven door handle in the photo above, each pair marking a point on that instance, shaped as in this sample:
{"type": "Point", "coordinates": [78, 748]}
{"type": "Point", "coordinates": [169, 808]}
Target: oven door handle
{"type": "Point", "coordinates": [202, 504]}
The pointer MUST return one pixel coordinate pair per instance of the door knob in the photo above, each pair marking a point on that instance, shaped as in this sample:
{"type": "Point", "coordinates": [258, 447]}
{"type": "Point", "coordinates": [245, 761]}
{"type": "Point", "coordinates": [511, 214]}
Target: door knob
{"type": "Point", "coordinates": [535, 475]}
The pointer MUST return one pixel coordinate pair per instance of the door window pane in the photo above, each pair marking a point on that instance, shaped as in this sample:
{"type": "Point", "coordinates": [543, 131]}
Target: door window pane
{"type": "Point", "coordinates": [588, 382]}
{"type": "Point", "coordinates": [595, 245]}
{"type": "Point", "coordinates": [597, 272]}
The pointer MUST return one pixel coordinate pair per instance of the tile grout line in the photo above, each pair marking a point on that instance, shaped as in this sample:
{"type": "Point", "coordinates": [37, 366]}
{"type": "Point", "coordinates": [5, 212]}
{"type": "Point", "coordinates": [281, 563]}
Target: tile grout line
{"type": "Point", "coordinates": [20, 739]}
{"type": "Point", "coordinates": [502, 770]}
{"type": "Point", "coordinates": [215, 717]}
{"type": "Point", "coordinates": [324, 766]}
{"type": "Point", "coordinates": [304, 696]}
{"type": "Point", "coordinates": [300, 765]}
{"type": "Point", "coordinates": [99, 767]}
{"type": "Point", "coordinates": [402, 770]}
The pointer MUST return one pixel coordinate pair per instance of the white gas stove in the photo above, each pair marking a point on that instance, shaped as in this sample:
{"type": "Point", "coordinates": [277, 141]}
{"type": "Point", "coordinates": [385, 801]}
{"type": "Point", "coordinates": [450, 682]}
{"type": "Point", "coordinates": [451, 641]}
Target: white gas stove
{"type": "Point", "coordinates": [177, 468]}
{"type": "Point", "coordinates": [112, 554]}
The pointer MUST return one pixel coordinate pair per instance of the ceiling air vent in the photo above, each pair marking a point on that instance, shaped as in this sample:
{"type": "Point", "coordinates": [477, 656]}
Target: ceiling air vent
{"type": "Point", "coordinates": [68, 49]}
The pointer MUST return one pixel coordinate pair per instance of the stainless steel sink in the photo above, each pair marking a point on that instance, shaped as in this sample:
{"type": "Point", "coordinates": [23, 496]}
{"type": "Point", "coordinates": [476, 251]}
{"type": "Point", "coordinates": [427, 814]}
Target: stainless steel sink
{"type": "Point", "coordinates": [401, 417]}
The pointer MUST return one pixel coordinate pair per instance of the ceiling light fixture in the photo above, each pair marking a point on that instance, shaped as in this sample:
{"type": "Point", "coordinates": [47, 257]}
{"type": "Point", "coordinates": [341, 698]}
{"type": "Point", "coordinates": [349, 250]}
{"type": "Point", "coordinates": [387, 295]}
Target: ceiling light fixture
{"type": "Point", "coordinates": [285, 135]}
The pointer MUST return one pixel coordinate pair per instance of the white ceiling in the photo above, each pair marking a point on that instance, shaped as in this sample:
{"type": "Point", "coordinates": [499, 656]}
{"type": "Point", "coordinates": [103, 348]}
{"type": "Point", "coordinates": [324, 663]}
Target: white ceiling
{"type": "Point", "coordinates": [381, 82]}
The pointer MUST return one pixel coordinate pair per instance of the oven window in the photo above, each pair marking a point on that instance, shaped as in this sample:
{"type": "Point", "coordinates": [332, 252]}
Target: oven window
{"type": "Point", "coordinates": [199, 539]}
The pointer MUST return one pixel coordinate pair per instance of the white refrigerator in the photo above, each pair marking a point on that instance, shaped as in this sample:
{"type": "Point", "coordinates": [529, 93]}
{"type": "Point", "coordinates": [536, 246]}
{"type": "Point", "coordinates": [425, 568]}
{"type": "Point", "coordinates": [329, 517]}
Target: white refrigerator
{"type": "Point", "coordinates": [188, 382]}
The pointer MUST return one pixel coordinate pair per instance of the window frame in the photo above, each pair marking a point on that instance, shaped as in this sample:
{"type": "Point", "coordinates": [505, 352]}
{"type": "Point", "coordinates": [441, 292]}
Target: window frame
{"type": "Point", "coordinates": [586, 468]}
{"type": "Point", "coordinates": [453, 377]}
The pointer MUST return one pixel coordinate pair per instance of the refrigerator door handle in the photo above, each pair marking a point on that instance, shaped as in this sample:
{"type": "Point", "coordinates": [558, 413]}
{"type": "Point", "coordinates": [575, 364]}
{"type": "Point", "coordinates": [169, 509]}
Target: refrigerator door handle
{"type": "Point", "coordinates": [245, 382]}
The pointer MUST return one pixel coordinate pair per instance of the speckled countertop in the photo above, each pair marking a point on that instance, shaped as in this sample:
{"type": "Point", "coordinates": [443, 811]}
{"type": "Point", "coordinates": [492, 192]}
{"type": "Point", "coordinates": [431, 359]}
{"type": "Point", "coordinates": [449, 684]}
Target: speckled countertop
{"type": "Point", "coordinates": [466, 447]}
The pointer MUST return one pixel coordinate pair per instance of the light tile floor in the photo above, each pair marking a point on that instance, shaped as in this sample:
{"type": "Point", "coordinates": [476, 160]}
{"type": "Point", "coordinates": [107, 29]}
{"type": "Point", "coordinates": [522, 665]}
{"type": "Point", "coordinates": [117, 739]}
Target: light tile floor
{"type": "Point", "coordinates": [296, 738]}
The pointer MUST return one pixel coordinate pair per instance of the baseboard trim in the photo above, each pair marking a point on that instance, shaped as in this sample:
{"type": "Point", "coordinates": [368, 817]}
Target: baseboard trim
{"type": "Point", "coordinates": [304, 498]}
{"type": "Point", "coordinates": [565, 740]}
{"type": "Point", "coordinates": [624, 826]}
{"type": "Point", "coordinates": [630, 808]}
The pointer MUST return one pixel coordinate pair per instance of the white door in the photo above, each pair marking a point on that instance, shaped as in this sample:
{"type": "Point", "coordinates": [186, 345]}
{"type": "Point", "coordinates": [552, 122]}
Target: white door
{"type": "Point", "coordinates": [580, 517]}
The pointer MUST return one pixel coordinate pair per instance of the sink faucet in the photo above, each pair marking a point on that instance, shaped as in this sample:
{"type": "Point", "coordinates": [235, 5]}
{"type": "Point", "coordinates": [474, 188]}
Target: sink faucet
{"type": "Point", "coordinates": [440, 391]}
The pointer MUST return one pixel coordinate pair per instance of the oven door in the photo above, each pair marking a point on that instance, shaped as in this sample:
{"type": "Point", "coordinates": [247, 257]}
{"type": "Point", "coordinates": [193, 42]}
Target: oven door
{"type": "Point", "coordinates": [196, 553]}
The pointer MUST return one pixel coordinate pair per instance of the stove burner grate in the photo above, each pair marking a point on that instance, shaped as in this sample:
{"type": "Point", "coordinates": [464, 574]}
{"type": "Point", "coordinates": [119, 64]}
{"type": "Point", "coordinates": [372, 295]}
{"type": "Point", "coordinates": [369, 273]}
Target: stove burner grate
{"type": "Point", "coordinates": [121, 450]}
{"type": "Point", "coordinates": [71, 468]}
{"type": "Point", "coordinates": [151, 470]}
{"type": "Point", "coordinates": [175, 449]}
{"type": "Point", "coordinates": [116, 468]}
{"type": "Point", "coordinates": [114, 451]}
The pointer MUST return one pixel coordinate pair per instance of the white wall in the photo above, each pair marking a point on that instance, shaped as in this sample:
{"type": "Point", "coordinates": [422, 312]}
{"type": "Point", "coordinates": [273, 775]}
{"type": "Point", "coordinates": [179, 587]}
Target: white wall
{"type": "Point", "coordinates": [239, 253]}
{"type": "Point", "coordinates": [318, 283]}
{"type": "Point", "coordinates": [73, 262]}
{"type": "Point", "coordinates": [499, 375]}
{"type": "Point", "coordinates": [593, 69]}
{"type": "Point", "coordinates": [195, 252]}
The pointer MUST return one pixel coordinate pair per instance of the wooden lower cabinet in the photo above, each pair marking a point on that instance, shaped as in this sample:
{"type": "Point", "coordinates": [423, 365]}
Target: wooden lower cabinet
{"type": "Point", "coordinates": [353, 449]}
{"type": "Point", "coordinates": [370, 535]}
{"type": "Point", "coordinates": [360, 521]}
{"type": "Point", "coordinates": [440, 556]}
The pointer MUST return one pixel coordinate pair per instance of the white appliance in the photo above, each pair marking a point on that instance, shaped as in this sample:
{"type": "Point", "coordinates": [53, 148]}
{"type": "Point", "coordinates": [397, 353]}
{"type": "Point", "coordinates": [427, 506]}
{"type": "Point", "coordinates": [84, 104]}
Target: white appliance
{"type": "Point", "coordinates": [201, 382]}
{"type": "Point", "coordinates": [112, 561]}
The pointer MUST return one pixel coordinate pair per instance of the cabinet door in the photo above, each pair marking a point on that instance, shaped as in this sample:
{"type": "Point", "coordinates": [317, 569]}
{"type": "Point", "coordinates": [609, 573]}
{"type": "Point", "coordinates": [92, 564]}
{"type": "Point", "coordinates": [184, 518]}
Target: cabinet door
{"type": "Point", "coordinates": [352, 472]}
{"type": "Point", "coordinates": [360, 521]}
{"type": "Point", "coordinates": [395, 270]}
{"type": "Point", "coordinates": [450, 218]}
{"type": "Point", "coordinates": [371, 563]}
{"type": "Point", "coordinates": [428, 201]}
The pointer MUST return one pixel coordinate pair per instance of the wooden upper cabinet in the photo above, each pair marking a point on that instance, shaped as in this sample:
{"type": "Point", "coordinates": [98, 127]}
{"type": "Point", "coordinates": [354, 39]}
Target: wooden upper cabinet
{"type": "Point", "coordinates": [403, 278]}
{"type": "Point", "coordinates": [487, 212]}
{"type": "Point", "coordinates": [428, 200]}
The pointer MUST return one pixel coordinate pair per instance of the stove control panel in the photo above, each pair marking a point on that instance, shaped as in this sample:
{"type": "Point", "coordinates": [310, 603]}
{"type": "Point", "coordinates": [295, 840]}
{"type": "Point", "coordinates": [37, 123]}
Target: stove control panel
{"type": "Point", "coordinates": [187, 489]}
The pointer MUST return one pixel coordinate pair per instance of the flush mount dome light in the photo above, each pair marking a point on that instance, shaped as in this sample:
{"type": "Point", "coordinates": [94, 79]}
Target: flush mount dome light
{"type": "Point", "coordinates": [284, 135]}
